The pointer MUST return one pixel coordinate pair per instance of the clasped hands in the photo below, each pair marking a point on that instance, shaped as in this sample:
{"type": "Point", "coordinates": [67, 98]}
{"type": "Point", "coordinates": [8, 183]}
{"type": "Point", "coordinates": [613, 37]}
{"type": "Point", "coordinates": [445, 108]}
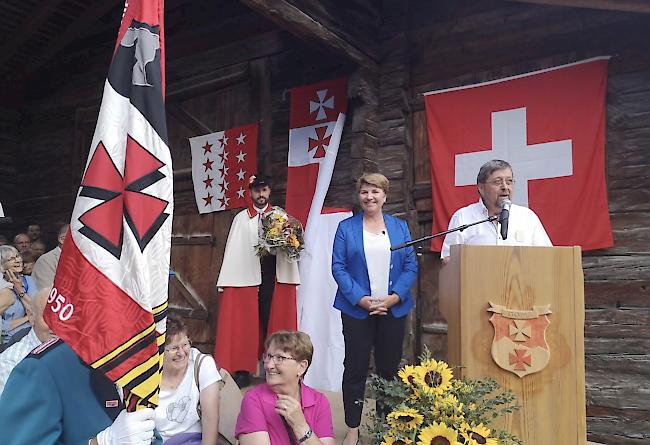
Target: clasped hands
{"type": "Point", "coordinates": [378, 305]}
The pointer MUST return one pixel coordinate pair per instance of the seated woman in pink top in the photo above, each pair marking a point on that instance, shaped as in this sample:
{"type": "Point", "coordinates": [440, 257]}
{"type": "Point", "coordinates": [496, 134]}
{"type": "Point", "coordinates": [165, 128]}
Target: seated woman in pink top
{"type": "Point", "coordinates": [285, 411]}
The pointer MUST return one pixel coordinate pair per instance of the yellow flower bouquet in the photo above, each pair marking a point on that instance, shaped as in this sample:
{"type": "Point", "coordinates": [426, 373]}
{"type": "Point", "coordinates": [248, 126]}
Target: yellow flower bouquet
{"type": "Point", "coordinates": [280, 232]}
{"type": "Point", "coordinates": [426, 405]}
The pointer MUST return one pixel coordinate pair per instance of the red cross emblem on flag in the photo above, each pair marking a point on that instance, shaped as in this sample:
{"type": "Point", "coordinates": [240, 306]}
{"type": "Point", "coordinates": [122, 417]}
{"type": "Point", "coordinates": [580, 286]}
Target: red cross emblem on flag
{"type": "Point", "coordinates": [122, 197]}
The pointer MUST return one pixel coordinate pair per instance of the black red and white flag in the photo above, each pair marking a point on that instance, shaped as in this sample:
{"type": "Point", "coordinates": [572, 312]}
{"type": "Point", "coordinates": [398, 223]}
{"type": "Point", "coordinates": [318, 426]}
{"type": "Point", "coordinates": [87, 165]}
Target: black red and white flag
{"type": "Point", "coordinates": [222, 163]}
{"type": "Point", "coordinates": [109, 299]}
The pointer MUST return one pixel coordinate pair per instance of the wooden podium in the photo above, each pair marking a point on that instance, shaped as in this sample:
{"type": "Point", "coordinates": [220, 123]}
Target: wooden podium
{"type": "Point", "coordinates": [502, 302]}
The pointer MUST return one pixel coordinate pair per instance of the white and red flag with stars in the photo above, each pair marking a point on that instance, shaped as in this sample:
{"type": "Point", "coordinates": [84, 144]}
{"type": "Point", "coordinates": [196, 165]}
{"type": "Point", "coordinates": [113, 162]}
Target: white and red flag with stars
{"type": "Point", "coordinates": [222, 162]}
{"type": "Point", "coordinates": [109, 299]}
{"type": "Point", "coordinates": [549, 125]}
{"type": "Point", "coordinates": [317, 118]}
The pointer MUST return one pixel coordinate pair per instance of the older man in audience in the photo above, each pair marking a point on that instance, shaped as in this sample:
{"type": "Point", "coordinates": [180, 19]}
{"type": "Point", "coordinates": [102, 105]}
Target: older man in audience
{"type": "Point", "coordinates": [34, 232]}
{"type": "Point", "coordinates": [22, 242]}
{"type": "Point", "coordinates": [39, 333]}
{"type": "Point", "coordinates": [38, 248]}
{"type": "Point", "coordinates": [45, 267]}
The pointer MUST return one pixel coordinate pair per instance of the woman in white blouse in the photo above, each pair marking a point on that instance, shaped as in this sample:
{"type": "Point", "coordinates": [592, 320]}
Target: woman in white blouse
{"type": "Point", "coordinates": [374, 293]}
{"type": "Point", "coordinates": [188, 409]}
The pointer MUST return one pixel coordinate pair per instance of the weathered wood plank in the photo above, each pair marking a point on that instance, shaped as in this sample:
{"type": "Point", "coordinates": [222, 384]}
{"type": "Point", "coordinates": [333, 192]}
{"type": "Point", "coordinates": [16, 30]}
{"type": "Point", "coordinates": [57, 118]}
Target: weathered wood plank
{"type": "Point", "coordinates": [611, 5]}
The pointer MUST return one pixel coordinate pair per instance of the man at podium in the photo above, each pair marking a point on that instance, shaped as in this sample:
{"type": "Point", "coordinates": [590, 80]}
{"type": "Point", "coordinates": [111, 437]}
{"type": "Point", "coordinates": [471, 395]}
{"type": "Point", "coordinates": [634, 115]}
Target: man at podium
{"type": "Point", "coordinates": [520, 225]}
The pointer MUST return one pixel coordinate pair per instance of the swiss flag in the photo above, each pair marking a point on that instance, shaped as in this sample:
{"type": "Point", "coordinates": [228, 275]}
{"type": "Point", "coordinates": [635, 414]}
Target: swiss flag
{"type": "Point", "coordinates": [222, 163]}
{"type": "Point", "coordinates": [549, 125]}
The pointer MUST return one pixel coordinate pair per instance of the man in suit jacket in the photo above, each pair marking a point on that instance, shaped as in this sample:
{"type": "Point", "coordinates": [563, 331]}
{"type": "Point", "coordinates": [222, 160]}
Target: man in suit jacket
{"type": "Point", "coordinates": [53, 398]}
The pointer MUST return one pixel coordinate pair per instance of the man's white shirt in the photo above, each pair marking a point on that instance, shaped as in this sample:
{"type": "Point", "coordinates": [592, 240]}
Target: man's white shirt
{"type": "Point", "coordinates": [524, 228]}
{"type": "Point", "coordinates": [14, 354]}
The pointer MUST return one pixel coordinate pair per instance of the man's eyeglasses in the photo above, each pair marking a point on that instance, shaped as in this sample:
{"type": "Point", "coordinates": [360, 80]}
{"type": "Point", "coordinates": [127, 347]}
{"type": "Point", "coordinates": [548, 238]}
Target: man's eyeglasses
{"type": "Point", "coordinates": [501, 181]}
{"type": "Point", "coordinates": [175, 349]}
{"type": "Point", "coordinates": [277, 358]}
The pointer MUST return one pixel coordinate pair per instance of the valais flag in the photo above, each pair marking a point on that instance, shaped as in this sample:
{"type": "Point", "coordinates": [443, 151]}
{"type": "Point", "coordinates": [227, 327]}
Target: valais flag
{"type": "Point", "coordinates": [316, 118]}
{"type": "Point", "coordinates": [222, 163]}
{"type": "Point", "coordinates": [549, 125]}
{"type": "Point", "coordinates": [109, 299]}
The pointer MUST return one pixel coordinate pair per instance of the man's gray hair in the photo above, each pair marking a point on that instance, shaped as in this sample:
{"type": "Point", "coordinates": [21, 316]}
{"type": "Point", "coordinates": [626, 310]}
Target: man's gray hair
{"type": "Point", "coordinates": [490, 167]}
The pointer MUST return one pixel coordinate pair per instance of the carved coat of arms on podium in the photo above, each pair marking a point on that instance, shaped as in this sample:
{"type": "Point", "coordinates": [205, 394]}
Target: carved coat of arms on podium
{"type": "Point", "coordinates": [519, 343]}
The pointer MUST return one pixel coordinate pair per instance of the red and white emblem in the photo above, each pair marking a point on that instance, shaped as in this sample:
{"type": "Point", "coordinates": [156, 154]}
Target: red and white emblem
{"type": "Point", "coordinates": [519, 344]}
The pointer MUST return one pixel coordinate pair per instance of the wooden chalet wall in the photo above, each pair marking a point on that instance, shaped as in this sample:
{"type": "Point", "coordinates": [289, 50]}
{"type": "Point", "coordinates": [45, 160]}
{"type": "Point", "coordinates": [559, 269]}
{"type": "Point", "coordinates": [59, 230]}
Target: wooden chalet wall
{"type": "Point", "coordinates": [464, 42]}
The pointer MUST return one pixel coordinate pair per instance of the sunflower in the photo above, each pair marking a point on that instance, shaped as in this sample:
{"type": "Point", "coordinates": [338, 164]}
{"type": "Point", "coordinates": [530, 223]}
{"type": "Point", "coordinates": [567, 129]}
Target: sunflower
{"type": "Point", "coordinates": [438, 434]}
{"type": "Point", "coordinates": [434, 377]}
{"type": "Point", "coordinates": [392, 440]}
{"type": "Point", "coordinates": [408, 374]}
{"type": "Point", "coordinates": [477, 435]}
{"type": "Point", "coordinates": [405, 419]}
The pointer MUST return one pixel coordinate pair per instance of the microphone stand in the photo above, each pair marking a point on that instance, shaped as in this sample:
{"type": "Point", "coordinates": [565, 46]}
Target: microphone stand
{"type": "Point", "coordinates": [418, 307]}
{"type": "Point", "coordinates": [439, 234]}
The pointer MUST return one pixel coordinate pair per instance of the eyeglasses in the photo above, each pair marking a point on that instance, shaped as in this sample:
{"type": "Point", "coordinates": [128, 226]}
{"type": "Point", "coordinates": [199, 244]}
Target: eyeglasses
{"type": "Point", "coordinates": [498, 182]}
{"type": "Point", "coordinates": [277, 358]}
{"type": "Point", "coordinates": [175, 349]}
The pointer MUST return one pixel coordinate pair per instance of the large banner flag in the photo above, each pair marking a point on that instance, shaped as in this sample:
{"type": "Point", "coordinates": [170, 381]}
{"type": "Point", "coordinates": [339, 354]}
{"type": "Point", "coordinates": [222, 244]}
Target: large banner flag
{"type": "Point", "coordinates": [549, 125]}
{"type": "Point", "coordinates": [316, 119]}
{"type": "Point", "coordinates": [109, 299]}
{"type": "Point", "coordinates": [222, 162]}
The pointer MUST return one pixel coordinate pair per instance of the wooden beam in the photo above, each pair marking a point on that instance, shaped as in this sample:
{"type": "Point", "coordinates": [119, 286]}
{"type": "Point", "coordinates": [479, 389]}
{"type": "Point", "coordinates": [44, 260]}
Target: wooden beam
{"type": "Point", "coordinates": [74, 30]}
{"type": "Point", "coordinates": [612, 5]}
{"type": "Point", "coordinates": [27, 29]}
{"type": "Point", "coordinates": [298, 22]}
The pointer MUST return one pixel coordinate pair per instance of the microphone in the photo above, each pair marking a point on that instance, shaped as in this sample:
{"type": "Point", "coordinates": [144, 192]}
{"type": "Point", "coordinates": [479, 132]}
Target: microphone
{"type": "Point", "coordinates": [504, 216]}
{"type": "Point", "coordinates": [383, 232]}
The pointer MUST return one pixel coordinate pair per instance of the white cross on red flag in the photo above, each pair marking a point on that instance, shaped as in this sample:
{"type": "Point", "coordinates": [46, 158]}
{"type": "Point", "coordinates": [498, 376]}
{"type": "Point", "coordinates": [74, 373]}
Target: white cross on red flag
{"type": "Point", "coordinates": [549, 125]}
{"type": "Point", "coordinates": [222, 163]}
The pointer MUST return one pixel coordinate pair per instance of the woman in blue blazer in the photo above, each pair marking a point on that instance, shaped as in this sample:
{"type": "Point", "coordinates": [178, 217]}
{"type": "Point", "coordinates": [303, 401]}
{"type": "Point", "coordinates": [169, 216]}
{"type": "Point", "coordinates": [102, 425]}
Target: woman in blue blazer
{"type": "Point", "coordinates": [374, 293]}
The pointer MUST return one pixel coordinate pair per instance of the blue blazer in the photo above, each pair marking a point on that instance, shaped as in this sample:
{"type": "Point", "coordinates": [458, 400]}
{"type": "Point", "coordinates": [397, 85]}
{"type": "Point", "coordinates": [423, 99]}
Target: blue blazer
{"type": "Point", "coordinates": [350, 269]}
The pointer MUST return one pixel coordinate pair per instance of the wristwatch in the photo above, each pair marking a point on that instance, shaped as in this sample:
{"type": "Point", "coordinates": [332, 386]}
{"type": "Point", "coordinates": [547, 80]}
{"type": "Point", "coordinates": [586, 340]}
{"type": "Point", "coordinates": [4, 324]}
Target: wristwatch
{"type": "Point", "coordinates": [306, 436]}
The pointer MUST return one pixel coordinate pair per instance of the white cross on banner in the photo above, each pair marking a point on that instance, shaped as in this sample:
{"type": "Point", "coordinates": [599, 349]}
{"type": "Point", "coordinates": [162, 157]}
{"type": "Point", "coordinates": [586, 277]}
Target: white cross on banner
{"type": "Point", "coordinates": [549, 125]}
{"type": "Point", "coordinates": [317, 117]}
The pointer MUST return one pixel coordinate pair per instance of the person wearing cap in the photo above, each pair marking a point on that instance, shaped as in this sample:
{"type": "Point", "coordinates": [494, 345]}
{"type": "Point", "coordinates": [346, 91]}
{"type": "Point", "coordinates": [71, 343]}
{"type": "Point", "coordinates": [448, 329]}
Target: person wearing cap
{"type": "Point", "coordinates": [258, 293]}
{"type": "Point", "coordinates": [494, 184]}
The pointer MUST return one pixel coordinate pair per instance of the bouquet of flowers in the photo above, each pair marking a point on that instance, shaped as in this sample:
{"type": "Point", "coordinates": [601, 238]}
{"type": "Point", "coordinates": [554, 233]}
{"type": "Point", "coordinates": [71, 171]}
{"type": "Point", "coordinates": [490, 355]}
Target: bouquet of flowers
{"type": "Point", "coordinates": [428, 406]}
{"type": "Point", "coordinates": [282, 232]}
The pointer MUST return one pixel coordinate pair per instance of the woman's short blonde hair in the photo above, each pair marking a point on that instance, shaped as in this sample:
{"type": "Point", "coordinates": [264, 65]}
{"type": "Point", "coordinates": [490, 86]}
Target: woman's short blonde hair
{"type": "Point", "coordinates": [374, 179]}
{"type": "Point", "coordinates": [298, 344]}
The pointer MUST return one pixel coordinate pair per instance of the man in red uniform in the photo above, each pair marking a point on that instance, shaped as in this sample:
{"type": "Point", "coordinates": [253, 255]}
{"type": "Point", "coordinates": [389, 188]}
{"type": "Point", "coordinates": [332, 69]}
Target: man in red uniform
{"type": "Point", "coordinates": [259, 294]}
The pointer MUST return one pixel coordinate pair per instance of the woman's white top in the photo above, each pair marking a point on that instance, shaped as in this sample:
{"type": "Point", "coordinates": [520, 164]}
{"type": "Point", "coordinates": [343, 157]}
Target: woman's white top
{"type": "Point", "coordinates": [377, 249]}
{"type": "Point", "coordinates": [176, 412]}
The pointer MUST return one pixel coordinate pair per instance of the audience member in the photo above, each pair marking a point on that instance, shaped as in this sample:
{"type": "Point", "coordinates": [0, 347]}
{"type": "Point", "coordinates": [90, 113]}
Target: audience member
{"type": "Point", "coordinates": [188, 409]}
{"type": "Point", "coordinates": [374, 293]}
{"type": "Point", "coordinates": [3, 240]}
{"type": "Point", "coordinates": [45, 267]}
{"type": "Point", "coordinates": [52, 397]}
{"type": "Point", "coordinates": [39, 333]}
{"type": "Point", "coordinates": [284, 410]}
{"type": "Point", "coordinates": [29, 258]}
{"type": "Point", "coordinates": [34, 232]}
{"type": "Point", "coordinates": [22, 242]}
{"type": "Point", "coordinates": [38, 248]}
{"type": "Point", "coordinates": [14, 319]}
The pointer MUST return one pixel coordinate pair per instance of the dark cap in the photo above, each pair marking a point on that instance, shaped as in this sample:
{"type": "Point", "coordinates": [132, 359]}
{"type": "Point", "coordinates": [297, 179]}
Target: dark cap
{"type": "Point", "coordinates": [257, 181]}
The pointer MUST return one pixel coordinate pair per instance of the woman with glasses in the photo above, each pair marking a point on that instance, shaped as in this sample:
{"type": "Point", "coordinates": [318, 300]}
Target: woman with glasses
{"type": "Point", "coordinates": [188, 406]}
{"type": "Point", "coordinates": [285, 411]}
{"type": "Point", "coordinates": [15, 323]}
